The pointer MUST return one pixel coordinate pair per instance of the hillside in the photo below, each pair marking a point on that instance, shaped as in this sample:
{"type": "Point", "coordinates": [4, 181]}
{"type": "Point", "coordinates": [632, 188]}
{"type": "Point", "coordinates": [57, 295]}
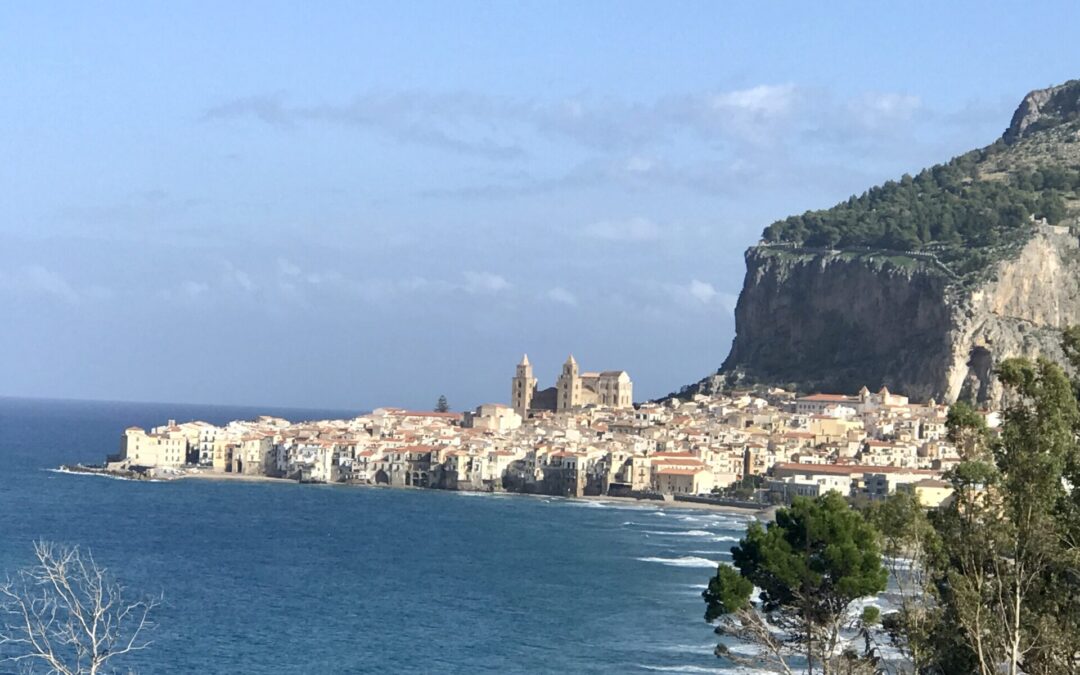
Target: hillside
{"type": "Point", "coordinates": [923, 283]}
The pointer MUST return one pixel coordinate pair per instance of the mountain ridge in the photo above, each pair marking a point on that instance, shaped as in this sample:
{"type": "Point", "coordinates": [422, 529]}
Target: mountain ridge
{"type": "Point", "coordinates": [923, 284]}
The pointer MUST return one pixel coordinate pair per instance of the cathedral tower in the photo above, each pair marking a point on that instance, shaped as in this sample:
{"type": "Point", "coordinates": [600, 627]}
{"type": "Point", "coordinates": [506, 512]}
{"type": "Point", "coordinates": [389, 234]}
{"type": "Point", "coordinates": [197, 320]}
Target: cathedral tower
{"type": "Point", "coordinates": [569, 386]}
{"type": "Point", "coordinates": [523, 385]}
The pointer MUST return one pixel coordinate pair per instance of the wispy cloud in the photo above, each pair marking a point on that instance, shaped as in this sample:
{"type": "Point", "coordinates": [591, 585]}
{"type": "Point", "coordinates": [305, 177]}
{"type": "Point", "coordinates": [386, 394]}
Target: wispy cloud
{"type": "Point", "coordinates": [408, 117]}
{"type": "Point", "coordinates": [631, 230]}
{"type": "Point", "coordinates": [36, 281]}
{"type": "Point", "coordinates": [701, 291]}
{"type": "Point", "coordinates": [484, 283]}
{"type": "Point", "coordinates": [561, 296]}
{"type": "Point", "coordinates": [494, 127]}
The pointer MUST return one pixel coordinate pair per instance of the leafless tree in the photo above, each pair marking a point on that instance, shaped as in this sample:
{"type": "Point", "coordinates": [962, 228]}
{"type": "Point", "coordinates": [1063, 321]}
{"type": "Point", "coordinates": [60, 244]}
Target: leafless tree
{"type": "Point", "coordinates": [66, 615]}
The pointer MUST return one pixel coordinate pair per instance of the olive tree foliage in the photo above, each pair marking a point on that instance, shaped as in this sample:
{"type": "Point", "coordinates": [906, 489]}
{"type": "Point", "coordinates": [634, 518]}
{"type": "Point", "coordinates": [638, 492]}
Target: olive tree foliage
{"type": "Point", "coordinates": [66, 615]}
{"type": "Point", "coordinates": [811, 564]}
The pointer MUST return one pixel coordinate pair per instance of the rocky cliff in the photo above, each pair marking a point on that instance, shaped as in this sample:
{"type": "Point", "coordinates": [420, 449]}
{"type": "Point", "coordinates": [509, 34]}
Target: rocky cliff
{"type": "Point", "coordinates": [836, 317]}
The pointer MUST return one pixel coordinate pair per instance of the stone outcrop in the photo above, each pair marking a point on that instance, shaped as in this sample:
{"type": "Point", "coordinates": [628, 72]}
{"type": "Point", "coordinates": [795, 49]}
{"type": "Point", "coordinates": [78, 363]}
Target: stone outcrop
{"type": "Point", "coordinates": [835, 321]}
{"type": "Point", "coordinates": [1043, 108]}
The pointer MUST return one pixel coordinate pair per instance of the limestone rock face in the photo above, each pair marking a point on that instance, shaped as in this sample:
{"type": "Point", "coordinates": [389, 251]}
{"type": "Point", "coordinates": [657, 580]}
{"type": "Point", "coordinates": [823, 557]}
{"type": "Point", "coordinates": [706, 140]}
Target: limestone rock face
{"type": "Point", "coordinates": [832, 321]}
{"type": "Point", "coordinates": [1043, 108]}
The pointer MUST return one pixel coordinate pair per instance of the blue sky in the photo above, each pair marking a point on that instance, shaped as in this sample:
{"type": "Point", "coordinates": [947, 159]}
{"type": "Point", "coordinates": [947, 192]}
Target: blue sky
{"type": "Point", "coordinates": [335, 204]}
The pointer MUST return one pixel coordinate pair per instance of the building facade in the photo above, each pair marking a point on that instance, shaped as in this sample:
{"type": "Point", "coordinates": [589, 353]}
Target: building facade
{"type": "Point", "coordinates": [573, 389]}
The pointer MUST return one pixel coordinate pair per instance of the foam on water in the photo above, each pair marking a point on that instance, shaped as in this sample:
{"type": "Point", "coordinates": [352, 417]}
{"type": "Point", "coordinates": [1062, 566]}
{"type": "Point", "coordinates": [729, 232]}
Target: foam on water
{"type": "Point", "coordinates": [680, 533]}
{"type": "Point", "coordinates": [597, 504]}
{"type": "Point", "coordinates": [726, 670]}
{"type": "Point", "coordinates": [684, 561]}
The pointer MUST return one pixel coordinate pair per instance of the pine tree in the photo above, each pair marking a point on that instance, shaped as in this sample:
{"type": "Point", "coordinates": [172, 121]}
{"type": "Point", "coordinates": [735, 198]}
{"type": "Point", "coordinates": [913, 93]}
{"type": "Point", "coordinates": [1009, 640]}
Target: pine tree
{"type": "Point", "coordinates": [817, 558]}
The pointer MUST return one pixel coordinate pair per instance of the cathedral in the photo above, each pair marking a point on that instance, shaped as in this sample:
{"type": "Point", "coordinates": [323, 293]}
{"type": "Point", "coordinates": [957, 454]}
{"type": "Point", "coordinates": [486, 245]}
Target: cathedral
{"type": "Point", "coordinates": [609, 389]}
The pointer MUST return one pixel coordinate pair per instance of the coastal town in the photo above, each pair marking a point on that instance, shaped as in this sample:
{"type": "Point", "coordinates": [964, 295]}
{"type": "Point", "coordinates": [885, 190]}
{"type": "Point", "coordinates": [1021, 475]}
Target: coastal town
{"type": "Point", "coordinates": [586, 437]}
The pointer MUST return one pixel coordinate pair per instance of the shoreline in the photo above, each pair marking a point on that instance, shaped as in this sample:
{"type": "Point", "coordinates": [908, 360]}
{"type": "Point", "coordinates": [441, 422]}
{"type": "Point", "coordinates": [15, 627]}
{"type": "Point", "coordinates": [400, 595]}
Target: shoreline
{"type": "Point", "coordinates": [251, 478]}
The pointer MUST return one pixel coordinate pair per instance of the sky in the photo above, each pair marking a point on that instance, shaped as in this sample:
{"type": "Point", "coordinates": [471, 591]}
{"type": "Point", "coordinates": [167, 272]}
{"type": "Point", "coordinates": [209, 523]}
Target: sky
{"type": "Point", "coordinates": [351, 205]}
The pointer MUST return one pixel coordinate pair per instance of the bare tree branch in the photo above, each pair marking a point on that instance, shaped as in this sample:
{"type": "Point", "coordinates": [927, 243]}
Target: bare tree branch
{"type": "Point", "coordinates": [69, 615]}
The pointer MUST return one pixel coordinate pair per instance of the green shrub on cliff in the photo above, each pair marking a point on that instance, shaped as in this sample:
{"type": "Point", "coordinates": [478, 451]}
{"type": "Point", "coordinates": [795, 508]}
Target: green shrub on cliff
{"type": "Point", "coordinates": [951, 205]}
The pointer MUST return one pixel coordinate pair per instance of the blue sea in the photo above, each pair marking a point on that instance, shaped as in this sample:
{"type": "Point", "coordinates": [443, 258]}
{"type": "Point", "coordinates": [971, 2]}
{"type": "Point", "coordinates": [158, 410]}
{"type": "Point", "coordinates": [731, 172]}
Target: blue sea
{"type": "Point", "coordinates": [285, 578]}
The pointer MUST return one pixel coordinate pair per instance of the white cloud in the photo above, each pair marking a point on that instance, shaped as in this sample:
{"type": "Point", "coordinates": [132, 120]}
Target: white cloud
{"type": "Point", "coordinates": [288, 268]}
{"type": "Point", "coordinates": [561, 296]}
{"type": "Point", "coordinates": [764, 100]}
{"type": "Point", "coordinates": [329, 277]}
{"type": "Point", "coordinates": [876, 111]}
{"type": "Point", "coordinates": [39, 281]}
{"type": "Point", "coordinates": [244, 280]}
{"type": "Point", "coordinates": [194, 289]}
{"type": "Point", "coordinates": [484, 283]}
{"type": "Point", "coordinates": [701, 291]}
{"type": "Point", "coordinates": [634, 229]}
{"type": "Point", "coordinates": [234, 277]}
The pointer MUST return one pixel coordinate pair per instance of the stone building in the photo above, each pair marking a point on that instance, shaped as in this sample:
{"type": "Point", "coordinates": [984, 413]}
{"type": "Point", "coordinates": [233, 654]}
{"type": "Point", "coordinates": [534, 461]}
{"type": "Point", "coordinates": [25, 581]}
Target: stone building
{"type": "Point", "coordinates": [573, 389]}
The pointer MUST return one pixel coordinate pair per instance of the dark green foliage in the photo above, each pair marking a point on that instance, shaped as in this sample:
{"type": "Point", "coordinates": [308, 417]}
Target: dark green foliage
{"type": "Point", "coordinates": [442, 405]}
{"type": "Point", "coordinates": [948, 204]}
{"type": "Point", "coordinates": [728, 592]}
{"type": "Point", "coordinates": [819, 554]}
{"type": "Point", "coordinates": [743, 489]}
{"type": "Point", "coordinates": [1005, 575]}
{"type": "Point", "coordinates": [811, 563]}
{"type": "Point", "coordinates": [966, 430]}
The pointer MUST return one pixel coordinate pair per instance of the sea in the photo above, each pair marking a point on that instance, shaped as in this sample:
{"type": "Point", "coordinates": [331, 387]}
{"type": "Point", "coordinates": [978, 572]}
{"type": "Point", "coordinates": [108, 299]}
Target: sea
{"type": "Point", "coordinates": [289, 578]}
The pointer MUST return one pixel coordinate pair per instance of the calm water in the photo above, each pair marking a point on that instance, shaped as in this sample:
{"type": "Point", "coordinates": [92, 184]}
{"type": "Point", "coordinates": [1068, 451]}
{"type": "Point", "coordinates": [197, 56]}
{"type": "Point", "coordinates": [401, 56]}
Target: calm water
{"type": "Point", "coordinates": [282, 578]}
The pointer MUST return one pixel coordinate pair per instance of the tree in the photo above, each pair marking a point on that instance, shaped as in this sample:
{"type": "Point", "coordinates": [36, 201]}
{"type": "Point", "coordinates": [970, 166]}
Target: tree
{"type": "Point", "coordinates": [909, 540]}
{"type": "Point", "coordinates": [1007, 575]}
{"type": "Point", "coordinates": [442, 405]}
{"type": "Point", "coordinates": [966, 430]}
{"type": "Point", "coordinates": [817, 558]}
{"type": "Point", "coordinates": [66, 613]}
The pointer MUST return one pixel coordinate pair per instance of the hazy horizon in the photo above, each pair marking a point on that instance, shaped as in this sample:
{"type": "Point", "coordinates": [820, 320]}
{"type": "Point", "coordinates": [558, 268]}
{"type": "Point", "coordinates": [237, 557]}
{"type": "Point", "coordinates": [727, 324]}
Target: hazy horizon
{"type": "Point", "coordinates": [369, 206]}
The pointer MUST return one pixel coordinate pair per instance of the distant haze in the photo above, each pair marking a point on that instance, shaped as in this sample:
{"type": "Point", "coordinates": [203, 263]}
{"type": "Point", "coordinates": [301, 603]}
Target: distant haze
{"type": "Point", "coordinates": [331, 206]}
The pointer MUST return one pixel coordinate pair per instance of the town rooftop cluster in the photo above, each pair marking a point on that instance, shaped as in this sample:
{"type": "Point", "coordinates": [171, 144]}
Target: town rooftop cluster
{"type": "Point", "coordinates": [868, 444]}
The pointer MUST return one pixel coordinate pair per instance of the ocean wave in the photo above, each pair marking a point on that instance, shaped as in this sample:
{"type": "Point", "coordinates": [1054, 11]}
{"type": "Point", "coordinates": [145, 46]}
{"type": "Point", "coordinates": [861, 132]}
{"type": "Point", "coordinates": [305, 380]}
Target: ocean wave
{"type": "Point", "coordinates": [725, 537]}
{"type": "Point", "coordinates": [697, 669]}
{"type": "Point", "coordinates": [680, 533]}
{"type": "Point", "coordinates": [615, 506]}
{"type": "Point", "coordinates": [707, 648]}
{"type": "Point", "coordinates": [684, 561]}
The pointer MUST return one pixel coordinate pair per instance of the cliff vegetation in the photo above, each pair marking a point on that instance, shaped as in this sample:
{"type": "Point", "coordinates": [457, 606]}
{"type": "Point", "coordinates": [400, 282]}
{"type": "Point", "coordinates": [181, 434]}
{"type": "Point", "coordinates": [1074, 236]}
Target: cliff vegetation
{"type": "Point", "coordinates": [972, 210]}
